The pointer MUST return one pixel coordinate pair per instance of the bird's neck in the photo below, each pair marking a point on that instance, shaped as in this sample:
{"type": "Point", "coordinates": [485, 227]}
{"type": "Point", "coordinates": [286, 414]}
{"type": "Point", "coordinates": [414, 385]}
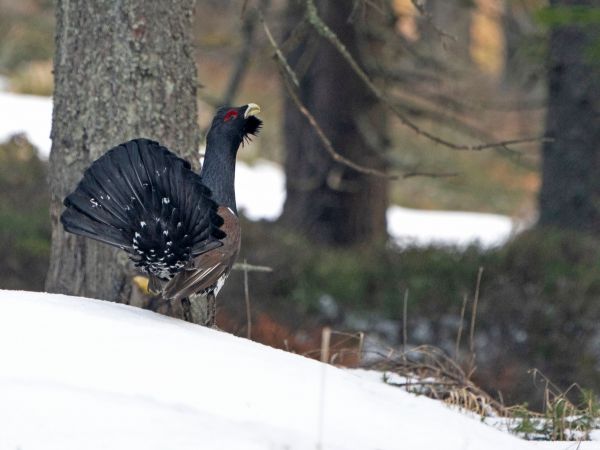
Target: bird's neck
{"type": "Point", "coordinates": [218, 174]}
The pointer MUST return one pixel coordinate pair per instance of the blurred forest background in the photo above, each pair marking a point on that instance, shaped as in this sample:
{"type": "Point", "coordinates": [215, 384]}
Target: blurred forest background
{"type": "Point", "coordinates": [465, 72]}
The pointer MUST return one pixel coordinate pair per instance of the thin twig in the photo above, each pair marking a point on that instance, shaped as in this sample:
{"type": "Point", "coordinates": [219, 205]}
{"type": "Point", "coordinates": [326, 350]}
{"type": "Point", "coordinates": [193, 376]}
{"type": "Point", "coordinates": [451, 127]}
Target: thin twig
{"type": "Point", "coordinates": [291, 75]}
{"type": "Point", "coordinates": [327, 143]}
{"type": "Point", "coordinates": [355, 6]}
{"type": "Point", "coordinates": [247, 299]}
{"type": "Point", "coordinates": [404, 322]}
{"type": "Point", "coordinates": [361, 342]}
{"type": "Point", "coordinates": [429, 19]}
{"type": "Point", "coordinates": [460, 327]}
{"type": "Point", "coordinates": [324, 31]}
{"type": "Point", "coordinates": [244, 6]}
{"type": "Point", "coordinates": [473, 317]}
{"type": "Point", "coordinates": [282, 61]}
{"type": "Point", "coordinates": [325, 344]}
{"type": "Point", "coordinates": [241, 65]}
{"type": "Point", "coordinates": [430, 174]}
{"type": "Point", "coordinates": [251, 267]}
{"type": "Point", "coordinates": [424, 383]}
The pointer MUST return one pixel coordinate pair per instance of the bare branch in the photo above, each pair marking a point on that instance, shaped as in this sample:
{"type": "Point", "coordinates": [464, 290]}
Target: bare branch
{"type": "Point", "coordinates": [324, 31]}
{"type": "Point", "coordinates": [241, 65]}
{"type": "Point", "coordinates": [287, 70]}
{"type": "Point", "coordinates": [251, 267]}
{"type": "Point", "coordinates": [247, 301]}
{"type": "Point", "coordinates": [430, 174]}
{"type": "Point", "coordinates": [429, 19]}
{"type": "Point", "coordinates": [282, 61]}
{"type": "Point", "coordinates": [327, 143]}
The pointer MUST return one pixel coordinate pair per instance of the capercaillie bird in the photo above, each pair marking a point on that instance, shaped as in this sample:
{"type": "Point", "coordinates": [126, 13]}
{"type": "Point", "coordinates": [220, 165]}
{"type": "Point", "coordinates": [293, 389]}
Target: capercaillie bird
{"type": "Point", "coordinates": [179, 227]}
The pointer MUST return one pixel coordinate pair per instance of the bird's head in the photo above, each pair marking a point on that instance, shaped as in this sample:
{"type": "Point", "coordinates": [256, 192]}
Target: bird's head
{"type": "Point", "coordinates": [233, 125]}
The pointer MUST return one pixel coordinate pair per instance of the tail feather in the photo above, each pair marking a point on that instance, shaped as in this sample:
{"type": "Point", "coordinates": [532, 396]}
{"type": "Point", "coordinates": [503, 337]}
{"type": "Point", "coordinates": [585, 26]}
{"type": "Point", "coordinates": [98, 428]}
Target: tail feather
{"type": "Point", "coordinates": [144, 199]}
{"type": "Point", "coordinates": [80, 224]}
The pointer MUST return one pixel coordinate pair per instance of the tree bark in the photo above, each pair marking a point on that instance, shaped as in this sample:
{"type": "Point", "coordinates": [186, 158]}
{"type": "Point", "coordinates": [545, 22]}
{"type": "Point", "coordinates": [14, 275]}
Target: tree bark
{"type": "Point", "coordinates": [570, 193]}
{"type": "Point", "coordinates": [327, 201]}
{"type": "Point", "coordinates": [122, 70]}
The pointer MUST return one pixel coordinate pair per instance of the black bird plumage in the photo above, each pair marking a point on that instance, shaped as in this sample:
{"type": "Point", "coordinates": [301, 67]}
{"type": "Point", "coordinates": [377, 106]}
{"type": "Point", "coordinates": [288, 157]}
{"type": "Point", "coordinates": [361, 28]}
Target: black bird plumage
{"type": "Point", "coordinates": [145, 200]}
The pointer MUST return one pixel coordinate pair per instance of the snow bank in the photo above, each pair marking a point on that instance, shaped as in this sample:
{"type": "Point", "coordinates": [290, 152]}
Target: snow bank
{"type": "Point", "coordinates": [78, 373]}
{"type": "Point", "coordinates": [260, 188]}
{"type": "Point", "coordinates": [450, 228]}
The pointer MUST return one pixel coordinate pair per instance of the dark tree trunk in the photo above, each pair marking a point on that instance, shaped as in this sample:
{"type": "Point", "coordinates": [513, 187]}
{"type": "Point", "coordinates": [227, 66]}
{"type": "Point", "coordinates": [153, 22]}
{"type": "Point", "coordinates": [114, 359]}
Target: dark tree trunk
{"type": "Point", "coordinates": [326, 201]}
{"type": "Point", "coordinates": [122, 70]}
{"type": "Point", "coordinates": [513, 40]}
{"type": "Point", "coordinates": [570, 193]}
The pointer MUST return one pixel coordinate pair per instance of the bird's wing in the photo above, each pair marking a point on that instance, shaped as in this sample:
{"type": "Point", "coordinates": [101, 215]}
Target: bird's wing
{"type": "Point", "coordinates": [210, 266]}
{"type": "Point", "coordinates": [192, 281]}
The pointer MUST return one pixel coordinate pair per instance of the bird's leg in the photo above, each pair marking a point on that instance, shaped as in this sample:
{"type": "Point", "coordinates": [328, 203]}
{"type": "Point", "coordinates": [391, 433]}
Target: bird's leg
{"type": "Point", "coordinates": [187, 310]}
{"type": "Point", "coordinates": [200, 309]}
{"type": "Point", "coordinates": [211, 310]}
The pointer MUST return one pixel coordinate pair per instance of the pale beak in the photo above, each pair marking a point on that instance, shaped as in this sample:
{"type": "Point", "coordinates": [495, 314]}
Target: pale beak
{"type": "Point", "coordinates": [252, 109]}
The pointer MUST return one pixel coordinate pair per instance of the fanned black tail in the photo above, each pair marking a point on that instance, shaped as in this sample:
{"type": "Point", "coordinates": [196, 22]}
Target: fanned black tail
{"type": "Point", "coordinates": [144, 199]}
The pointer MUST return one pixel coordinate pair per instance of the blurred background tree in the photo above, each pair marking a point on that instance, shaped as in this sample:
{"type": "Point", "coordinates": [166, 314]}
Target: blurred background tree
{"type": "Point", "coordinates": [327, 201]}
{"type": "Point", "coordinates": [570, 193]}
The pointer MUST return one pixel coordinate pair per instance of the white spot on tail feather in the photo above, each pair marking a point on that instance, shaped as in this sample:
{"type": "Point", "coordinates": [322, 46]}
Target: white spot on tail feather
{"type": "Point", "coordinates": [220, 283]}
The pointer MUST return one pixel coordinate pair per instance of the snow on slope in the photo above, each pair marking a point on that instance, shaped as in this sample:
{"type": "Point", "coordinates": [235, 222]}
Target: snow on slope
{"type": "Point", "coordinates": [86, 374]}
{"type": "Point", "coordinates": [261, 188]}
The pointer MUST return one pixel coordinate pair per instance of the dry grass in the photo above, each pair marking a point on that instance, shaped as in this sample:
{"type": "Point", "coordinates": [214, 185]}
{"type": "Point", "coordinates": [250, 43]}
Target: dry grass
{"type": "Point", "coordinates": [428, 370]}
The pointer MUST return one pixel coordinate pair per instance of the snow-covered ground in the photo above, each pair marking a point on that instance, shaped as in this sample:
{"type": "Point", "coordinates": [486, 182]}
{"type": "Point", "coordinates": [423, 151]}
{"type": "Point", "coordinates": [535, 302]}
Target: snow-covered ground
{"type": "Point", "coordinates": [80, 374]}
{"type": "Point", "coordinates": [260, 188]}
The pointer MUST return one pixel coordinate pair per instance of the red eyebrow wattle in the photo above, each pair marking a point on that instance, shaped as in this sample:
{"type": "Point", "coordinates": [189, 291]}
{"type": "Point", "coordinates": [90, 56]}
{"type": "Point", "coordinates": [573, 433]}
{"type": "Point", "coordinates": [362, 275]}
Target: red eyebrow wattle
{"type": "Point", "coordinates": [231, 114]}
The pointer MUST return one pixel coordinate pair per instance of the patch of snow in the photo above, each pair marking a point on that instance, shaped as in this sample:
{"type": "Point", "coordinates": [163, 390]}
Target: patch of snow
{"type": "Point", "coordinates": [451, 228]}
{"type": "Point", "coordinates": [27, 114]}
{"type": "Point", "coordinates": [260, 189]}
{"type": "Point", "coordinates": [79, 373]}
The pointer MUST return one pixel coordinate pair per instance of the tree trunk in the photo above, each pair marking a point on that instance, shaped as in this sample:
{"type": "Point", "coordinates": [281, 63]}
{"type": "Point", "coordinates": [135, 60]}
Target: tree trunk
{"type": "Point", "coordinates": [327, 201]}
{"type": "Point", "coordinates": [122, 70]}
{"type": "Point", "coordinates": [570, 193]}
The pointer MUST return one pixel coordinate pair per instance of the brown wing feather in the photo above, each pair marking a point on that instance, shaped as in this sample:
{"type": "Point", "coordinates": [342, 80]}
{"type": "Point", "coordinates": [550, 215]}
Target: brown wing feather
{"type": "Point", "coordinates": [210, 266]}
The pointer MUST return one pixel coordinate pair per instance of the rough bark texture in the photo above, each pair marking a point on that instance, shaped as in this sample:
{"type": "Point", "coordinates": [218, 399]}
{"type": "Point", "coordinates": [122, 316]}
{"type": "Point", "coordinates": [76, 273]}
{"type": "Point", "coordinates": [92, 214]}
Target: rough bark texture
{"type": "Point", "coordinates": [326, 201]}
{"type": "Point", "coordinates": [570, 193]}
{"type": "Point", "coordinates": [122, 70]}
